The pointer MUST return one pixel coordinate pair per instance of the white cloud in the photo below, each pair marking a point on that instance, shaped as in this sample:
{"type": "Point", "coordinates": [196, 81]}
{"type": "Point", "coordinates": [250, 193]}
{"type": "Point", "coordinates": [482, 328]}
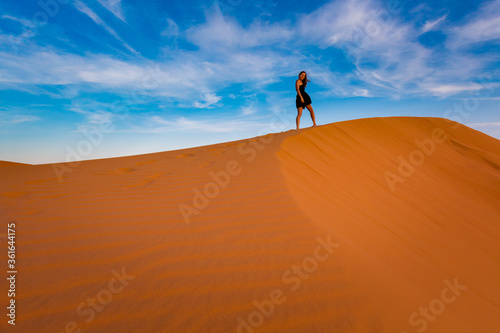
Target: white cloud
{"type": "Point", "coordinates": [248, 110]}
{"type": "Point", "coordinates": [336, 22]}
{"type": "Point", "coordinates": [483, 25]}
{"type": "Point", "coordinates": [422, 7]}
{"type": "Point", "coordinates": [115, 7]}
{"type": "Point", "coordinates": [172, 29]}
{"type": "Point", "coordinates": [497, 124]}
{"type": "Point", "coordinates": [96, 114]}
{"type": "Point", "coordinates": [160, 125]}
{"type": "Point", "coordinates": [430, 25]}
{"type": "Point", "coordinates": [207, 100]}
{"type": "Point", "coordinates": [14, 117]}
{"type": "Point", "coordinates": [490, 128]}
{"type": "Point", "coordinates": [18, 42]}
{"type": "Point", "coordinates": [43, 66]}
{"type": "Point", "coordinates": [486, 98]}
{"type": "Point", "coordinates": [82, 7]}
{"type": "Point", "coordinates": [388, 60]}
{"type": "Point", "coordinates": [450, 89]}
{"type": "Point", "coordinates": [187, 78]}
{"type": "Point", "coordinates": [224, 33]}
{"type": "Point", "coordinates": [384, 50]}
{"type": "Point", "coordinates": [24, 22]}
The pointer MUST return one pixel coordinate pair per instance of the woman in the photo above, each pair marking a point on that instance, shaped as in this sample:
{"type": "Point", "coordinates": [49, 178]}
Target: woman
{"type": "Point", "coordinates": [303, 99]}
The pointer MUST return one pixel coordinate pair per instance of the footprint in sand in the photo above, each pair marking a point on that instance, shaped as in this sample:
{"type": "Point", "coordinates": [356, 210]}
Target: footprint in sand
{"type": "Point", "coordinates": [149, 180]}
{"type": "Point", "coordinates": [184, 155]}
{"type": "Point", "coordinates": [205, 164]}
{"type": "Point", "coordinates": [232, 144]}
{"type": "Point", "coordinates": [216, 151]}
{"type": "Point", "coordinates": [121, 171]}
{"type": "Point", "coordinates": [147, 162]}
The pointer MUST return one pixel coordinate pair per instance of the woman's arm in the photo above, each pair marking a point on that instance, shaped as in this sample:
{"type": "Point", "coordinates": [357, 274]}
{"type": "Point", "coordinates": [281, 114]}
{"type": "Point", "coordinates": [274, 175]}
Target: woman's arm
{"type": "Point", "coordinates": [297, 87]}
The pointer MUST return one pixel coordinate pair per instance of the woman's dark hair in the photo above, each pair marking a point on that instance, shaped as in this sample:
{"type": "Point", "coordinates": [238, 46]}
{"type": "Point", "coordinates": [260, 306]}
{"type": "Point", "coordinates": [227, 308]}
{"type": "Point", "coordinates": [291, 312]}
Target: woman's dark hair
{"type": "Point", "coordinates": [304, 82]}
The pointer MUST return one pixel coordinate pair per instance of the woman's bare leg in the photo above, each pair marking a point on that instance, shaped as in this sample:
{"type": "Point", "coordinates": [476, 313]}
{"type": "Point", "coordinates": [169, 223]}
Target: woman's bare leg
{"type": "Point", "coordinates": [299, 114]}
{"type": "Point", "coordinates": [311, 111]}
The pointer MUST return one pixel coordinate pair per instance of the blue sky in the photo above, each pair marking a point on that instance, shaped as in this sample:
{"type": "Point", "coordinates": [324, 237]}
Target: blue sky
{"type": "Point", "coordinates": [89, 79]}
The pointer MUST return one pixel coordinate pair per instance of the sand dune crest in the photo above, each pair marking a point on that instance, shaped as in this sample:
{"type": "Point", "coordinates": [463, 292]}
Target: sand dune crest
{"type": "Point", "coordinates": [370, 225]}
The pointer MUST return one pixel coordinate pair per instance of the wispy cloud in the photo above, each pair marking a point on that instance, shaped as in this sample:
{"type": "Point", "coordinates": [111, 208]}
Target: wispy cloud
{"type": "Point", "coordinates": [450, 89]}
{"type": "Point", "coordinates": [248, 110]}
{"type": "Point", "coordinates": [430, 25]}
{"type": "Point", "coordinates": [183, 80]}
{"type": "Point", "coordinates": [12, 118]}
{"type": "Point", "coordinates": [495, 124]}
{"type": "Point", "coordinates": [23, 21]}
{"type": "Point", "coordinates": [483, 25]}
{"type": "Point", "coordinates": [44, 66]}
{"type": "Point", "coordinates": [385, 52]}
{"type": "Point", "coordinates": [490, 128]}
{"type": "Point", "coordinates": [486, 98]}
{"type": "Point", "coordinates": [221, 33]}
{"type": "Point", "coordinates": [186, 76]}
{"type": "Point", "coordinates": [336, 22]}
{"type": "Point", "coordinates": [386, 57]}
{"type": "Point", "coordinates": [16, 42]}
{"type": "Point", "coordinates": [82, 7]}
{"type": "Point", "coordinates": [207, 100]}
{"type": "Point", "coordinates": [172, 29]}
{"type": "Point", "coordinates": [115, 7]}
{"type": "Point", "coordinates": [159, 125]}
{"type": "Point", "coordinates": [96, 115]}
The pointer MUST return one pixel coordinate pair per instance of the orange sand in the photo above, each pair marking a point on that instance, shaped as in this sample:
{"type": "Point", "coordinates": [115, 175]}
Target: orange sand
{"type": "Point", "coordinates": [422, 254]}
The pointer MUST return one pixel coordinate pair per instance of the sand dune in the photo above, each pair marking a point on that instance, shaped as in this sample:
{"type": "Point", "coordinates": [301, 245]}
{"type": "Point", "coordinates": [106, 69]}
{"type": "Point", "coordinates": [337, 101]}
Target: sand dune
{"type": "Point", "coordinates": [370, 225]}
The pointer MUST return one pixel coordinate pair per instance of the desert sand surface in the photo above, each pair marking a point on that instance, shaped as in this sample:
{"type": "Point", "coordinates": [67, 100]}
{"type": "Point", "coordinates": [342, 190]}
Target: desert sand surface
{"type": "Point", "coordinates": [369, 225]}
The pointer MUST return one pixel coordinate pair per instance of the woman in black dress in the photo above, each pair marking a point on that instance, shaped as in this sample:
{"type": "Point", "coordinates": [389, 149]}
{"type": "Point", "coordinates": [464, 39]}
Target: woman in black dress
{"type": "Point", "coordinates": [303, 99]}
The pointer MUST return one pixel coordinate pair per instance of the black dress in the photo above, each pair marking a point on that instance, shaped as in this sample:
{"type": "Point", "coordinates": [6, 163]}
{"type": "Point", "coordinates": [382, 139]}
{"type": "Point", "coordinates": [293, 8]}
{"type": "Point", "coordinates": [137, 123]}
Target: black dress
{"type": "Point", "coordinates": [305, 96]}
